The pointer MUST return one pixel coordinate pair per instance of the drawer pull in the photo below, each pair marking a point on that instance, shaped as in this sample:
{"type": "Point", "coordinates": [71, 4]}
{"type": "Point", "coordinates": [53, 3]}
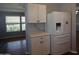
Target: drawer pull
{"type": "Point", "coordinates": [41, 42]}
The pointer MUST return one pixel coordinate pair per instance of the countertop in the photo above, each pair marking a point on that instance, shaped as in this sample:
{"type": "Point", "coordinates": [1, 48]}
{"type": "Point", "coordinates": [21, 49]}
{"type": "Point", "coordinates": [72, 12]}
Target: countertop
{"type": "Point", "coordinates": [36, 34]}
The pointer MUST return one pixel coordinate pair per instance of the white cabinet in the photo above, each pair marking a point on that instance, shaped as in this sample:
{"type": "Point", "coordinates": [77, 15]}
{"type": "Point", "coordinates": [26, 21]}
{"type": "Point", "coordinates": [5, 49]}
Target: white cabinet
{"type": "Point", "coordinates": [36, 45]}
{"type": "Point", "coordinates": [40, 45]}
{"type": "Point", "coordinates": [42, 13]}
{"type": "Point", "coordinates": [32, 13]}
{"type": "Point", "coordinates": [45, 45]}
{"type": "Point", "coordinates": [36, 13]}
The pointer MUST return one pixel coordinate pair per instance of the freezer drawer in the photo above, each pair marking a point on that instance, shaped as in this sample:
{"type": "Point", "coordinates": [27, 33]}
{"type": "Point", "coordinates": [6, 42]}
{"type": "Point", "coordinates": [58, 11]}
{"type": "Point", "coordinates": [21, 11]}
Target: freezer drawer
{"type": "Point", "coordinates": [62, 38]}
{"type": "Point", "coordinates": [61, 48]}
{"type": "Point", "coordinates": [61, 44]}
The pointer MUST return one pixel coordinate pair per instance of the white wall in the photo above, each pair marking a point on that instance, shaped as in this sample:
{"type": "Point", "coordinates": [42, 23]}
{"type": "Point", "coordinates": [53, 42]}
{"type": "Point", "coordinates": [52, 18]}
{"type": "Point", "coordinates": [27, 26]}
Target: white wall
{"type": "Point", "coordinates": [13, 7]}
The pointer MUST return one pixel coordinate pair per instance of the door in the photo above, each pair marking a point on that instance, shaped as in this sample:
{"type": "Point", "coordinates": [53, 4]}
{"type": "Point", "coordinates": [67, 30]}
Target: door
{"type": "Point", "coordinates": [36, 46]}
{"type": "Point", "coordinates": [32, 11]}
{"type": "Point", "coordinates": [58, 21]}
{"type": "Point", "coordinates": [67, 23]}
{"type": "Point", "coordinates": [46, 45]}
{"type": "Point", "coordinates": [42, 13]}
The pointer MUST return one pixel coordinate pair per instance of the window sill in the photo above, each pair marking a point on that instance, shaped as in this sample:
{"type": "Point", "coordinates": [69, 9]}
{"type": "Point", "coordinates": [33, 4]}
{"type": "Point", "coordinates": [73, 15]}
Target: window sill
{"type": "Point", "coordinates": [13, 37]}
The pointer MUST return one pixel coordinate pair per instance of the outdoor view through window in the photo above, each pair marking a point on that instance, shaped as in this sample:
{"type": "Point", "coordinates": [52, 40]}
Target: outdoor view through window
{"type": "Point", "coordinates": [15, 23]}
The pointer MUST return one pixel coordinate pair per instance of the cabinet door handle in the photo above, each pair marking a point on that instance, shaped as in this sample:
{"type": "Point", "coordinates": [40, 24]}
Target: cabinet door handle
{"type": "Point", "coordinates": [41, 41]}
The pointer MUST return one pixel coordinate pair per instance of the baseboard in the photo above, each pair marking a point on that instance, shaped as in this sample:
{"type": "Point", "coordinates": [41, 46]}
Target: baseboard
{"type": "Point", "coordinates": [75, 52]}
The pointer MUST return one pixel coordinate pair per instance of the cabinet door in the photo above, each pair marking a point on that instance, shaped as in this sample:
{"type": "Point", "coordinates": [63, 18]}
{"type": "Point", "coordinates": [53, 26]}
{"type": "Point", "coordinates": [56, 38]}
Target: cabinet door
{"type": "Point", "coordinates": [32, 11]}
{"type": "Point", "coordinates": [67, 23]}
{"type": "Point", "coordinates": [46, 45]}
{"type": "Point", "coordinates": [36, 46]}
{"type": "Point", "coordinates": [42, 13]}
{"type": "Point", "coordinates": [58, 22]}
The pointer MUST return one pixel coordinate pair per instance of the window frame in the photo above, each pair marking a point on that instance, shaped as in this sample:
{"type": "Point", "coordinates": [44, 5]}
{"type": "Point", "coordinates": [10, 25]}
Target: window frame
{"type": "Point", "coordinates": [22, 23]}
{"type": "Point", "coordinates": [16, 23]}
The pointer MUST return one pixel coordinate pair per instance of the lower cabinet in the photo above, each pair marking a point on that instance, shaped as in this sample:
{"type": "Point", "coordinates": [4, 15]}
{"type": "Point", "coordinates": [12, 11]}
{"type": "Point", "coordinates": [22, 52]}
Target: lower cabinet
{"type": "Point", "coordinates": [40, 45]}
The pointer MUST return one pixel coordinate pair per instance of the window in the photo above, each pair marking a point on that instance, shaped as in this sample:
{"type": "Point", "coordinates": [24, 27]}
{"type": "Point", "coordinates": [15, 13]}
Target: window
{"type": "Point", "coordinates": [15, 23]}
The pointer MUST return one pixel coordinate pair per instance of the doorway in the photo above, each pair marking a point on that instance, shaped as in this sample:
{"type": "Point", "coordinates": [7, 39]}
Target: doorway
{"type": "Point", "coordinates": [77, 30]}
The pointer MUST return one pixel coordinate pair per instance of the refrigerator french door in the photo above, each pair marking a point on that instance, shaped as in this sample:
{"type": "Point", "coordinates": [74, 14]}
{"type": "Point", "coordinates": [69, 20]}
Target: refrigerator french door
{"type": "Point", "coordinates": [59, 27]}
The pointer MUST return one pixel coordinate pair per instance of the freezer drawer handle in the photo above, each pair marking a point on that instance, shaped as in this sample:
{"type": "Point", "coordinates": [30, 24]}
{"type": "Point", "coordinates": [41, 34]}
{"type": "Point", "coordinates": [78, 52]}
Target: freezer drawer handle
{"type": "Point", "coordinates": [63, 42]}
{"type": "Point", "coordinates": [41, 42]}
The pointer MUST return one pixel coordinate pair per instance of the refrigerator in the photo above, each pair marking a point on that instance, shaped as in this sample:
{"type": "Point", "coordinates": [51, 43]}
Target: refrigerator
{"type": "Point", "coordinates": [59, 28]}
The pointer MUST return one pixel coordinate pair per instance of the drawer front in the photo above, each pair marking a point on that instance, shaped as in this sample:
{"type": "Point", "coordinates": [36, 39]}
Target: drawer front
{"type": "Point", "coordinates": [61, 48]}
{"type": "Point", "coordinates": [62, 39]}
{"type": "Point", "coordinates": [61, 45]}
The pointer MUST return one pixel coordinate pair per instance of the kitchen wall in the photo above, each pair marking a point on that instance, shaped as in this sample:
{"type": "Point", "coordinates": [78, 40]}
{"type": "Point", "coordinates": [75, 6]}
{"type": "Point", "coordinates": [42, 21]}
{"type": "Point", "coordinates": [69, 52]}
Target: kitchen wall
{"type": "Point", "coordinates": [36, 27]}
{"type": "Point", "coordinates": [12, 7]}
{"type": "Point", "coordinates": [60, 7]}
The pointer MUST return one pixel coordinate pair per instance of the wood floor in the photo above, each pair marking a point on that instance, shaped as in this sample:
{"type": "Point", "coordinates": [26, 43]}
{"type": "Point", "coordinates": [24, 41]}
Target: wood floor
{"type": "Point", "coordinates": [14, 46]}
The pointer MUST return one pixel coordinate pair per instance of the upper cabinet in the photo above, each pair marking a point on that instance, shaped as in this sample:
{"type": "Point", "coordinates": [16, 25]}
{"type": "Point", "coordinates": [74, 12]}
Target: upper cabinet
{"type": "Point", "coordinates": [36, 13]}
{"type": "Point", "coordinates": [32, 13]}
{"type": "Point", "coordinates": [42, 13]}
